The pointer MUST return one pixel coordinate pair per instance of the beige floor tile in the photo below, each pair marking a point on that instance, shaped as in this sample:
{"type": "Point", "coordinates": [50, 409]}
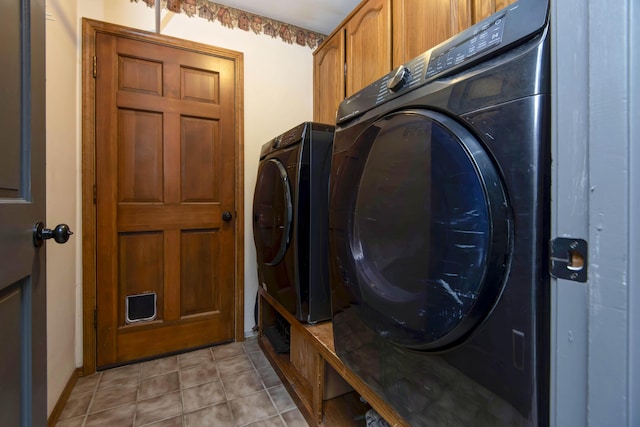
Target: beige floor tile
{"type": "Point", "coordinates": [200, 374]}
{"type": "Point", "coordinates": [220, 386]}
{"type": "Point", "coordinates": [110, 397]}
{"type": "Point", "coordinates": [234, 365]}
{"type": "Point", "coordinates": [86, 384]}
{"type": "Point", "coordinates": [72, 422]}
{"type": "Point", "coordinates": [158, 408]}
{"type": "Point", "coordinates": [120, 375]}
{"type": "Point", "coordinates": [252, 408]}
{"type": "Point", "coordinates": [76, 405]}
{"type": "Point", "coordinates": [281, 398]}
{"type": "Point", "coordinates": [227, 350]}
{"type": "Point", "coordinates": [251, 345]}
{"type": "Point", "coordinates": [159, 366]}
{"type": "Point", "coordinates": [271, 422]}
{"type": "Point", "coordinates": [259, 359]}
{"type": "Point", "coordinates": [294, 418]}
{"type": "Point", "coordinates": [160, 384]}
{"type": "Point", "coordinates": [171, 422]}
{"type": "Point", "coordinates": [122, 416]}
{"type": "Point", "coordinates": [202, 395]}
{"type": "Point", "coordinates": [218, 416]}
{"type": "Point", "coordinates": [242, 384]}
{"type": "Point", "coordinates": [195, 358]}
{"type": "Point", "coordinates": [269, 377]}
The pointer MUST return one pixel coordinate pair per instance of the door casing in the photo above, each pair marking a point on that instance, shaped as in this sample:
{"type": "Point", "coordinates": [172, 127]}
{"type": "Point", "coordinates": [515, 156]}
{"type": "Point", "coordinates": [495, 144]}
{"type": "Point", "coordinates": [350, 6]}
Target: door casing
{"type": "Point", "coordinates": [90, 28]}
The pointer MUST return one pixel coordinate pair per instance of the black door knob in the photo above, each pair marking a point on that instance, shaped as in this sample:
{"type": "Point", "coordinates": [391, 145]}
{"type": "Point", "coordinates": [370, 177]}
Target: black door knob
{"type": "Point", "coordinates": [226, 216]}
{"type": "Point", "coordinates": [60, 234]}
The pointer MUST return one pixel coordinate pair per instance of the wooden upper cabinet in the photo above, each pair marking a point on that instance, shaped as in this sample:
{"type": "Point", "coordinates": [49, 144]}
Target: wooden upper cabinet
{"type": "Point", "coordinates": [419, 25]}
{"type": "Point", "coordinates": [328, 78]}
{"type": "Point", "coordinates": [380, 35]}
{"type": "Point", "coordinates": [355, 55]}
{"type": "Point", "coordinates": [484, 8]}
{"type": "Point", "coordinates": [368, 45]}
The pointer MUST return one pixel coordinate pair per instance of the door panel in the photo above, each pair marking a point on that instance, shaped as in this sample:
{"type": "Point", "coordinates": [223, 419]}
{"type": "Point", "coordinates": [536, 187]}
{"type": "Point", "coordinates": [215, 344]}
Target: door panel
{"type": "Point", "coordinates": [23, 358]}
{"type": "Point", "coordinates": [140, 152]}
{"type": "Point", "coordinates": [141, 265]}
{"type": "Point", "coordinates": [433, 18]}
{"type": "Point", "coordinates": [368, 41]}
{"type": "Point", "coordinates": [199, 248]}
{"type": "Point", "coordinates": [482, 9]}
{"type": "Point", "coordinates": [200, 160]}
{"type": "Point", "coordinates": [10, 377]}
{"type": "Point", "coordinates": [328, 79]}
{"type": "Point", "coordinates": [165, 172]}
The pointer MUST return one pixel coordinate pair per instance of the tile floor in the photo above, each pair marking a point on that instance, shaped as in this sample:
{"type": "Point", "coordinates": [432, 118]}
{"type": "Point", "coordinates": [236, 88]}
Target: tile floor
{"type": "Point", "coordinates": [228, 385]}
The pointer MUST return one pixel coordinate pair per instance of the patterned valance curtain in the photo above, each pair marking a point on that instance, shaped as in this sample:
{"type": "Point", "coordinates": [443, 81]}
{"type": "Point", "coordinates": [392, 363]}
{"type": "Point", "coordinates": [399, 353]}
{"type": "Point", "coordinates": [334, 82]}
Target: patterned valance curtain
{"type": "Point", "coordinates": [236, 18]}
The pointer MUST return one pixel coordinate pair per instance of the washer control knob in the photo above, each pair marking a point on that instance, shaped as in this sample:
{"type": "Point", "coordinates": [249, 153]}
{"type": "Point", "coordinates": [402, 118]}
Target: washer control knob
{"type": "Point", "coordinates": [398, 80]}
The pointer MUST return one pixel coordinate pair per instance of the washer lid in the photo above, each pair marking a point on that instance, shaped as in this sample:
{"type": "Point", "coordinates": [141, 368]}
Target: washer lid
{"type": "Point", "coordinates": [430, 229]}
{"type": "Point", "coordinates": [272, 212]}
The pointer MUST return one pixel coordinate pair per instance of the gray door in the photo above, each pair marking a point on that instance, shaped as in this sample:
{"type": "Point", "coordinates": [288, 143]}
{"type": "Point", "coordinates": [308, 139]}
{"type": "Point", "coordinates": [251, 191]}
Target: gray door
{"type": "Point", "coordinates": [23, 343]}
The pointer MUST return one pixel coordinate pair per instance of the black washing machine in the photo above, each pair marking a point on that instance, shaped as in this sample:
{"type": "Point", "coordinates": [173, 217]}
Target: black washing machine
{"type": "Point", "coordinates": [439, 225]}
{"type": "Point", "coordinates": [290, 220]}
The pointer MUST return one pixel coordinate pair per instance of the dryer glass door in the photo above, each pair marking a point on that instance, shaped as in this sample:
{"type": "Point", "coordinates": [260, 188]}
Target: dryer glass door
{"type": "Point", "coordinates": [429, 229]}
{"type": "Point", "coordinates": [272, 212]}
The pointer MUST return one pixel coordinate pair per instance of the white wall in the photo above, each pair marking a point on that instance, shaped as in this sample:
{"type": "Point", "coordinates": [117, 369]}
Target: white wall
{"type": "Point", "coordinates": [63, 204]}
{"type": "Point", "coordinates": [278, 95]}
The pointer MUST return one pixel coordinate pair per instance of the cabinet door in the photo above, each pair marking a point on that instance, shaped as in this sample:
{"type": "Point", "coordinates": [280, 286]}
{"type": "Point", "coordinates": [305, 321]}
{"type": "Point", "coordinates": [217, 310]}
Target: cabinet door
{"type": "Point", "coordinates": [328, 79]}
{"type": "Point", "coordinates": [484, 8]}
{"type": "Point", "coordinates": [419, 25]}
{"type": "Point", "coordinates": [368, 37]}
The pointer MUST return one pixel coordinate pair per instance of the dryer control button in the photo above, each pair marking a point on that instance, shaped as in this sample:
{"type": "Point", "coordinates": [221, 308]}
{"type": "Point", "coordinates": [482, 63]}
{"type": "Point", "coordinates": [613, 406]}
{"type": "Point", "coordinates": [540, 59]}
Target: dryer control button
{"type": "Point", "coordinates": [398, 79]}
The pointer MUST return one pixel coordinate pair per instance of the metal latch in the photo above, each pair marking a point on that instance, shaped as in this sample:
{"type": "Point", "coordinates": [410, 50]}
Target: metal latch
{"type": "Point", "coordinates": [568, 258]}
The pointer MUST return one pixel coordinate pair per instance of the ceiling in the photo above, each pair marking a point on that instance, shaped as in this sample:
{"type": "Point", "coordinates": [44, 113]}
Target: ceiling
{"type": "Point", "coordinates": [322, 16]}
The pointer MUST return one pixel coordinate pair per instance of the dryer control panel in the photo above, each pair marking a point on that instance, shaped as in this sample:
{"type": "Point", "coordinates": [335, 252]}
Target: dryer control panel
{"type": "Point", "coordinates": [482, 38]}
{"type": "Point", "coordinates": [286, 139]}
{"type": "Point", "coordinates": [517, 22]}
{"type": "Point", "coordinates": [292, 136]}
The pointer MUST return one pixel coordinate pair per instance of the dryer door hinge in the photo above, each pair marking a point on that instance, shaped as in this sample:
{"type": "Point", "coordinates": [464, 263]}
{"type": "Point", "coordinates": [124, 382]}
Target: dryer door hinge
{"type": "Point", "coordinates": [95, 67]}
{"type": "Point", "coordinates": [568, 258]}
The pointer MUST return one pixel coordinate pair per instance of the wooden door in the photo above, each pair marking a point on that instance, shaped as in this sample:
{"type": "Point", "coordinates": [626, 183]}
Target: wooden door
{"type": "Point", "coordinates": [23, 356]}
{"type": "Point", "coordinates": [368, 45]}
{"type": "Point", "coordinates": [419, 25]}
{"type": "Point", "coordinates": [328, 78]}
{"type": "Point", "coordinates": [165, 150]}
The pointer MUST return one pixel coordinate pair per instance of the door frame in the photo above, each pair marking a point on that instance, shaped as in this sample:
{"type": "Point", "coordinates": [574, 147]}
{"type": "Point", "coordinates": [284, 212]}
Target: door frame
{"type": "Point", "coordinates": [90, 29]}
